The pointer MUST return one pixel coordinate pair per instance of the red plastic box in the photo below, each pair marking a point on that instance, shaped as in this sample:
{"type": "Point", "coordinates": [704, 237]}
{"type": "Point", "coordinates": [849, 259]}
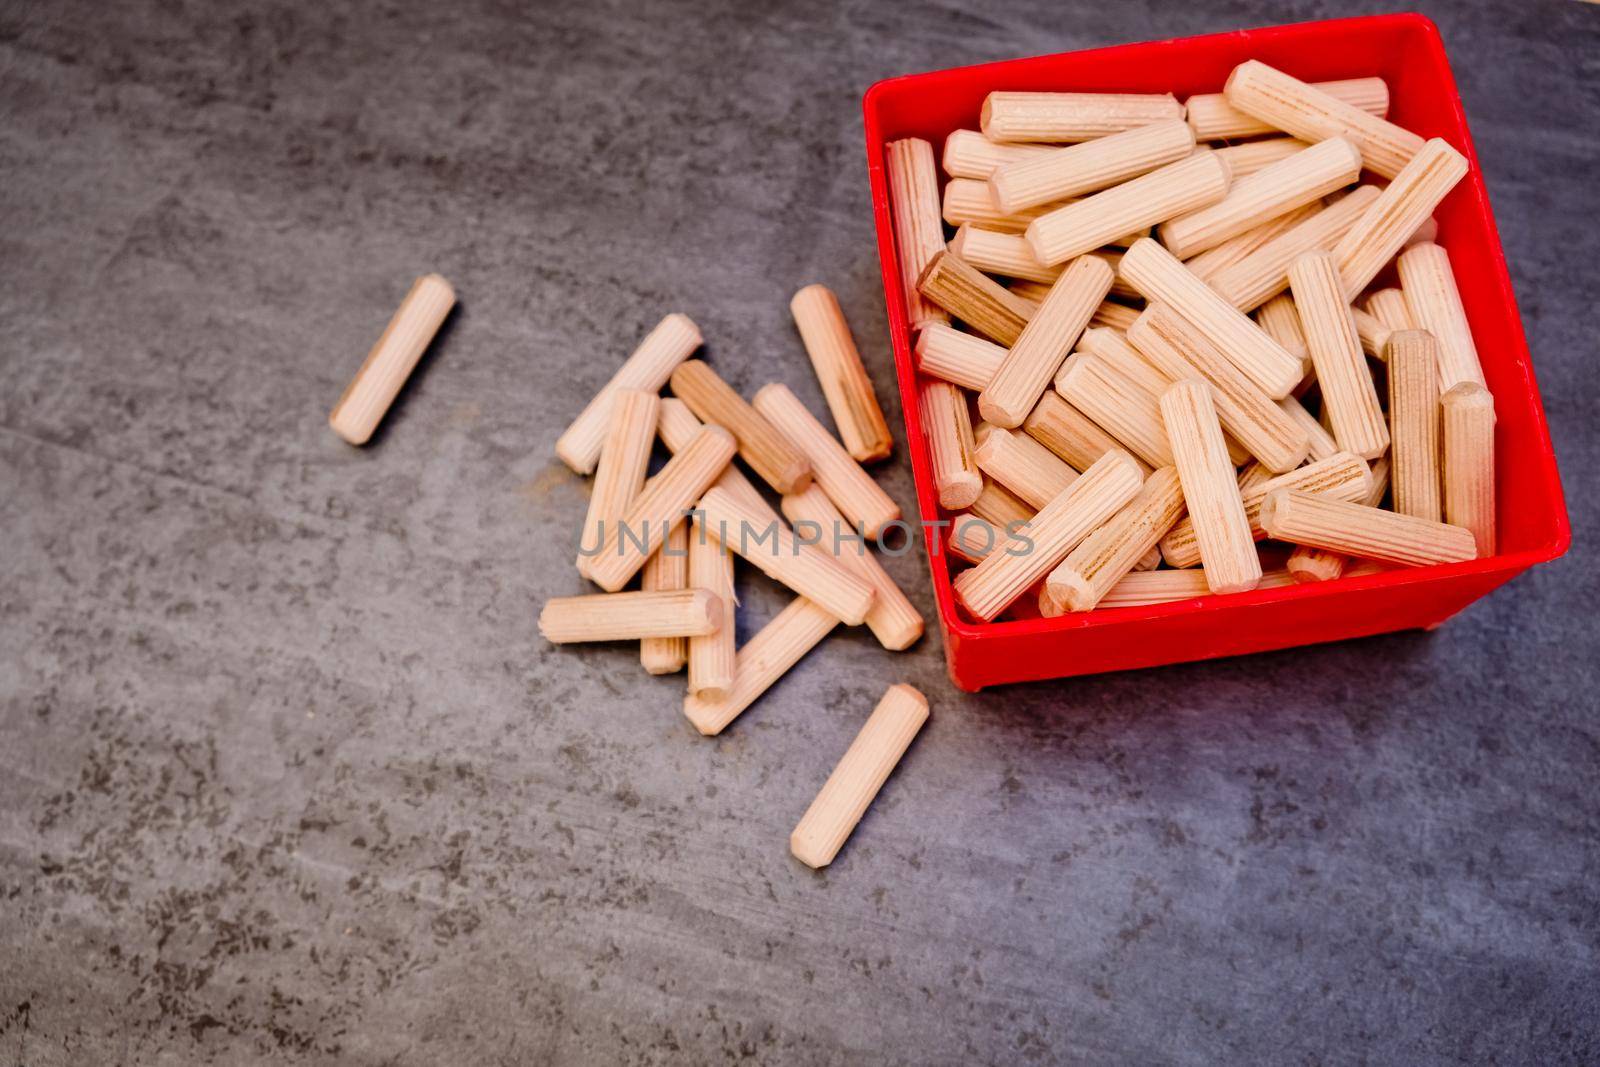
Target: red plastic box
{"type": "Point", "coordinates": [1407, 52]}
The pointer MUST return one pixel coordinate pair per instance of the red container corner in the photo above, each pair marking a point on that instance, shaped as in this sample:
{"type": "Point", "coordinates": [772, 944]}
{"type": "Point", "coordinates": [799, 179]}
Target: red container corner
{"type": "Point", "coordinates": [1404, 49]}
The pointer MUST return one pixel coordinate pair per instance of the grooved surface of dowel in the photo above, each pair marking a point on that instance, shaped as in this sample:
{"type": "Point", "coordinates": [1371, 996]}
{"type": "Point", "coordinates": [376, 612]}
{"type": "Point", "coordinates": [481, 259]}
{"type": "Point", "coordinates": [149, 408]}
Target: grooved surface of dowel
{"type": "Point", "coordinates": [975, 299]}
{"type": "Point", "coordinates": [969, 154]}
{"type": "Point", "coordinates": [948, 424]}
{"type": "Point", "coordinates": [1307, 564]}
{"type": "Point", "coordinates": [630, 434]}
{"type": "Point", "coordinates": [1013, 116]}
{"type": "Point", "coordinates": [1349, 397]}
{"type": "Point", "coordinates": [957, 356]}
{"type": "Point", "coordinates": [668, 569]}
{"type": "Point", "coordinates": [1264, 273]}
{"type": "Point", "coordinates": [1434, 304]}
{"type": "Point", "coordinates": [674, 338]}
{"type": "Point", "coordinates": [1069, 433]}
{"type": "Point", "coordinates": [891, 617]}
{"type": "Point", "coordinates": [678, 428]}
{"type": "Point", "coordinates": [1282, 322]}
{"type": "Point", "coordinates": [630, 616]}
{"type": "Point", "coordinates": [1414, 423]}
{"type": "Point", "coordinates": [1090, 570]}
{"type": "Point", "coordinates": [858, 776]}
{"type": "Point", "coordinates": [914, 200]}
{"type": "Point", "coordinates": [1251, 156]}
{"type": "Point", "coordinates": [1389, 307]}
{"type": "Point", "coordinates": [769, 453]}
{"type": "Point", "coordinates": [1038, 353]}
{"type": "Point", "coordinates": [1210, 488]}
{"type": "Point", "coordinates": [1031, 471]}
{"type": "Point", "coordinates": [998, 505]}
{"type": "Point", "coordinates": [711, 656]}
{"type": "Point", "coordinates": [1304, 519]}
{"type": "Point", "coordinates": [1214, 119]}
{"type": "Point", "coordinates": [852, 490]}
{"type": "Point", "coordinates": [1468, 461]}
{"type": "Point", "coordinates": [1218, 258]}
{"type": "Point", "coordinates": [391, 360]}
{"type": "Point", "coordinates": [1006, 254]}
{"type": "Point", "coordinates": [1090, 166]}
{"type": "Point", "coordinates": [844, 380]}
{"type": "Point", "coordinates": [967, 201]}
{"type": "Point", "coordinates": [1385, 226]}
{"type": "Point", "coordinates": [972, 538]}
{"type": "Point", "coordinates": [779, 645]}
{"type": "Point", "coordinates": [1125, 409]}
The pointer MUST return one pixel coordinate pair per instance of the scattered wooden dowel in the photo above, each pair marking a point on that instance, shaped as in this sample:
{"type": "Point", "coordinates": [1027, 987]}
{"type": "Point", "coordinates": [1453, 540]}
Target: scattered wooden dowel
{"type": "Point", "coordinates": [1080, 581]}
{"type": "Point", "coordinates": [1414, 423]}
{"type": "Point", "coordinates": [972, 538]}
{"type": "Point", "coordinates": [1383, 228]}
{"type": "Point", "coordinates": [1069, 433]}
{"type": "Point", "coordinates": [1024, 466]}
{"type": "Point", "coordinates": [1468, 462]}
{"type": "Point", "coordinates": [1264, 273]}
{"type": "Point", "coordinates": [969, 154]}
{"type": "Point", "coordinates": [1061, 117]}
{"type": "Point", "coordinates": [1037, 354]}
{"type": "Point", "coordinates": [1029, 554]}
{"type": "Point", "coordinates": [979, 301]}
{"type": "Point", "coordinates": [1090, 166]}
{"type": "Point", "coordinates": [957, 356]}
{"type": "Point", "coordinates": [1286, 103]}
{"type": "Point", "coordinates": [914, 200]}
{"type": "Point", "coordinates": [1349, 396]}
{"type": "Point", "coordinates": [1153, 198]}
{"type": "Point", "coordinates": [1282, 322]}
{"type": "Point", "coordinates": [891, 617]}
{"type": "Point", "coordinates": [390, 362]}
{"type": "Point", "coordinates": [1308, 564]}
{"type": "Point", "coordinates": [1307, 519]}
{"type": "Point", "coordinates": [678, 428]}
{"type": "Point", "coordinates": [765, 658]}
{"type": "Point", "coordinates": [1320, 443]}
{"type": "Point", "coordinates": [950, 446]}
{"type": "Point", "coordinates": [668, 569]}
{"type": "Point", "coordinates": [711, 656]}
{"type": "Point", "coordinates": [1251, 156]}
{"type": "Point", "coordinates": [663, 504]}
{"type": "Point", "coordinates": [630, 433]}
{"type": "Point", "coordinates": [776, 552]}
{"type": "Point", "coordinates": [1178, 350]}
{"type": "Point", "coordinates": [1372, 335]}
{"type": "Point", "coordinates": [860, 773]}
{"type": "Point", "coordinates": [1157, 274]}
{"type": "Point", "coordinates": [1388, 306]}
{"type": "Point", "coordinates": [851, 488]}
{"type": "Point", "coordinates": [1118, 404]}
{"type": "Point", "coordinates": [1293, 182]}
{"type": "Point", "coordinates": [1218, 258]}
{"type": "Point", "coordinates": [996, 505]}
{"type": "Point", "coordinates": [648, 368]}
{"type": "Point", "coordinates": [1006, 254]}
{"type": "Point", "coordinates": [1113, 315]}
{"type": "Point", "coordinates": [1214, 119]}
{"type": "Point", "coordinates": [1434, 303]}
{"type": "Point", "coordinates": [1210, 488]}
{"type": "Point", "coordinates": [844, 381]}
{"type": "Point", "coordinates": [769, 453]}
{"type": "Point", "coordinates": [630, 616]}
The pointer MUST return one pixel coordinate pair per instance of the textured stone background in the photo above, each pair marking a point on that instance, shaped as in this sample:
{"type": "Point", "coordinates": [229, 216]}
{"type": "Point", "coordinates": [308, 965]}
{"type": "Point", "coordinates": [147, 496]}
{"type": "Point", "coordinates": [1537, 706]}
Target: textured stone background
{"type": "Point", "coordinates": [288, 775]}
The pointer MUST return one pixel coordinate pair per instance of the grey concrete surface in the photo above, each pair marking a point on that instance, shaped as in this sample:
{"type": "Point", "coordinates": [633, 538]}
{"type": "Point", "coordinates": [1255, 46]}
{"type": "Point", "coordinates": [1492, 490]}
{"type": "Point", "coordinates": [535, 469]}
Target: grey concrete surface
{"type": "Point", "coordinates": [288, 776]}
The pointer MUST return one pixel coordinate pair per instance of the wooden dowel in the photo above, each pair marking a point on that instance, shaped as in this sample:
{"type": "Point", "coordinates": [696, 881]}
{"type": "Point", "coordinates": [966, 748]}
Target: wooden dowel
{"type": "Point", "coordinates": [1028, 555]}
{"type": "Point", "coordinates": [970, 202]}
{"type": "Point", "coordinates": [1372, 335]}
{"type": "Point", "coordinates": [1320, 443]}
{"type": "Point", "coordinates": [1158, 275]}
{"type": "Point", "coordinates": [1264, 273]}
{"type": "Point", "coordinates": [851, 488]}
{"type": "Point", "coordinates": [1306, 564]}
{"type": "Point", "coordinates": [711, 656]}
{"type": "Point", "coordinates": [1340, 526]}
{"type": "Point", "coordinates": [1080, 581]}
{"type": "Point", "coordinates": [648, 369]}
{"type": "Point", "coordinates": [858, 776]}
{"type": "Point", "coordinates": [996, 505]}
{"type": "Point", "coordinates": [629, 616]}
{"type": "Point", "coordinates": [1296, 181]}
{"type": "Point", "coordinates": [1468, 461]}
{"type": "Point", "coordinates": [1069, 433]}
{"type": "Point", "coordinates": [975, 299]}
{"type": "Point", "coordinates": [1155, 587]}
{"type": "Point", "coordinates": [769, 453]}
{"type": "Point", "coordinates": [972, 538]}
{"type": "Point", "coordinates": [1382, 230]}
{"type": "Point", "coordinates": [390, 362]}
{"type": "Point", "coordinates": [1214, 119]}
{"type": "Point", "coordinates": [891, 617]}
{"type": "Point", "coordinates": [1349, 396]}
{"type": "Point", "coordinates": [1024, 466]}
{"type": "Point", "coordinates": [1178, 350]}
{"type": "Point", "coordinates": [1414, 423]}
{"type": "Point", "coordinates": [678, 428]}
{"type": "Point", "coordinates": [1060, 117]}
{"type": "Point", "coordinates": [1037, 354]}
{"type": "Point", "coordinates": [1388, 306]}
{"type": "Point", "coordinates": [630, 433]}
{"type": "Point", "coordinates": [662, 505]}
{"type": "Point", "coordinates": [1006, 254]}
{"type": "Point", "coordinates": [1217, 259]}
{"type": "Point", "coordinates": [1251, 156]}
{"type": "Point", "coordinates": [1281, 321]}
{"type": "Point", "coordinates": [844, 381]}
{"type": "Point", "coordinates": [778, 554]}
{"type": "Point", "coordinates": [957, 356]}
{"type": "Point", "coordinates": [1210, 488]}
{"type": "Point", "coordinates": [918, 235]}
{"type": "Point", "coordinates": [1118, 405]}
{"type": "Point", "coordinates": [950, 446]}
{"type": "Point", "coordinates": [1090, 166]}
{"type": "Point", "coordinates": [1435, 305]}
{"type": "Point", "coordinates": [1113, 315]}
{"type": "Point", "coordinates": [969, 154]}
{"type": "Point", "coordinates": [765, 658]}
{"type": "Point", "coordinates": [1032, 292]}
{"type": "Point", "coordinates": [1153, 198]}
{"type": "Point", "coordinates": [667, 569]}
{"type": "Point", "coordinates": [1286, 103]}
{"type": "Point", "coordinates": [1113, 258]}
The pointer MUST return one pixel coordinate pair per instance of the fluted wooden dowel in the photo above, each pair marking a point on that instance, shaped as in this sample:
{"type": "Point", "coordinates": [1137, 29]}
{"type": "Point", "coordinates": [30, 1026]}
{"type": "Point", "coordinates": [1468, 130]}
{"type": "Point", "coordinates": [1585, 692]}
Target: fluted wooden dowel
{"type": "Point", "coordinates": [1388, 306]}
{"type": "Point", "coordinates": [1214, 119]}
{"type": "Point", "coordinates": [648, 368]}
{"type": "Point", "coordinates": [1118, 404]}
{"type": "Point", "coordinates": [1155, 587]}
{"type": "Point", "coordinates": [769, 453]}
{"type": "Point", "coordinates": [891, 617]}
{"type": "Point", "coordinates": [667, 569]}
{"type": "Point", "coordinates": [1090, 166]}
{"type": "Point", "coordinates": [1307, 519]}
{"type": "Point", "coordinates": [1210, 488]}
{"type": "Point", "coordinates": [1282, 322]}
{"type": "Point", "coordinates": [972, 538]}
{"type": "Point", "coordinates": [970, 202]}
{"type": "Point", "coordinates": [1005, 254]}
{"type": "Point", "coordinates": [1069, 433]}
{"type": "Point", "coordinates": [1348, 394]}
{"type": "Point", "coordinates": [1031, 471]}
{"type": "Point", "coordinates": [852, 490]}
{"type": "Point", "coordinates": [1383, 228]}
{"type": "Point", "coordinates": [1286, 103]}
{"type": "Point", "coordinates": [1080, 581]}
{"type": "Point", "coordinates": [1468, 461]}
{"type": "Point", "coordinates": [1218, 258]}
{"type": "Point", "coordinates": [1372, 335]}
{"type": "Point", "coordinates": [1264, 273]}
{"type": "Point", "coordinates": [1306, 564]}
{"type": "Point", "coordinates": [957, 356]}
{"type": "Point", "coordinates": [1414, 423]}
{"type": "Point", "coordinates": [1251, 156]}
{"type": "Point", "coordinates": [1044, 343]}
{"type": "Point", "coordinates": [948, 425]}
{"type": "Point", "coordinates": [1113, 315]}
{"type": "Point", "coordinates": [678, 428]}
{"type": "Point", "coordinates": [630, 433]}
{"type": "Point", "coordinates": [765, 658]}
{"type": "Point", "coordinates": [629, 616]}
{"type": "Point", "coordinates": [974, 298]}
{"type": "Point", "coordinates": [390, 362]}
{"type": "Point", "coordinates": [711, 656]}
{"type": "Point", "coordinates": [918, 235]}
{"type": "Point", "coordinates": [969, 154]}
{"type": "Point", "coordinates": [1321, 444]}
{"type": "Point", "coordinates": [1434, 303]}
{"type": "Point", "coordinates": [1059, 117]}
{"type": "Point", "coordinates": [998, 506]}
{"type": "Point", "coordinates": [860, 773]}
{"type": "Point", "coordinates": [837, 363]}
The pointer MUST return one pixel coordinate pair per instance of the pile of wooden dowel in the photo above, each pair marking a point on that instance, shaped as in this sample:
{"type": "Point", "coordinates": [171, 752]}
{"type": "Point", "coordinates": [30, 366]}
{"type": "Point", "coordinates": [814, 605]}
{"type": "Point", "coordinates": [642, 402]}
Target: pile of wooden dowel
{"type": "Point", "coordinates": [1162, 332]}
